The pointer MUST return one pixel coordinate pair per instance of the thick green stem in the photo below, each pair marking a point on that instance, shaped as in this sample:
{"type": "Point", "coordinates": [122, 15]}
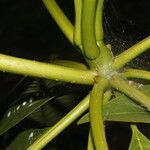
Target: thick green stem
{"type": "Point", "coordinates": [131, 53]}
{"type": "Point", "coordinates": [45, 70]}
{"type": "Point", "coordinates": [60, 18]}
{"type": "Point", "coordinates": [61, 125]}
{"type": "Point", "coordinates": [99, 22]}
{"type": "Point", "coordinates": [90, 145]}
{"type": "Point", "coordinates": [136, 73]}
{"type": "Point", "coordinates": [77, 30]}
{"type": "Point", "coordinates": [133, 92]}
{"type": "Point", "coordinates": [96, 118]}
{"type": "Point", "coordinates": [88, 29]}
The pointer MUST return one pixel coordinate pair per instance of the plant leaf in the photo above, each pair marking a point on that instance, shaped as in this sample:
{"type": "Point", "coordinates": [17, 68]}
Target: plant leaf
{"type": "Point", "coordinates": [26, 138]}
{"type": "Point", "coordinates": [122, 108]}
{"type": "Point", "coordinates": [33, 87]}
{"type": "Point", "coordinates": [83, 119]}
{"type": "Point", "coordinates": [17, 113]}
{"type": "Point", "coordinates": [51, 113]}
{"type": "Point", "coordinates": [138, 141]}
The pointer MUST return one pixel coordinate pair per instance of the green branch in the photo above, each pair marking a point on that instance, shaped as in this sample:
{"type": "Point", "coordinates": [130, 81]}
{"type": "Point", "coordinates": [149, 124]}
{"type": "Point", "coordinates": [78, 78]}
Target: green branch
{"type": "Point", "coordinates": [96, 118]}
{"type": "Point", "coordinates": [107, 96]}
{"type": "Point", "coordinates": [90, 145]}
{"type": "Point", "coordinates": [88, 29]}
{"type": "Point", "coordinates": [69, 63]}
{"type": "Point", "coordinates": [45, 70]}
{"type": "Point", "coordinates": [133, 92]}
{"type": "Point", "coordinates": [61, 125]}
{"type": "Point", "coordinates": [60, 18]}
{"type": "Point", "coordinates": [77, 30]}
{"type": "Point", "coordinates": [98, 22]}
{"type": "Point", "coordinates": [131, 53]}
{"type": "Point", "coordinates": [136, 73]}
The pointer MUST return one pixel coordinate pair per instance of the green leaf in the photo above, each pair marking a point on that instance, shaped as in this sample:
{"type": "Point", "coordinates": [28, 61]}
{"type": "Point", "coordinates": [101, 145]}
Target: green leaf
{"type": "Point", "coordinates": [138, 141]}
{"type": "Point", "coordinates": [17, 113]}
{"type": "Point", "coordinates": [83, 119]}
{"type": "Point", "coordinates": [26, 138]}
{"type": "Point", "coordinates": [26, 88]}
{"type": "Point", "coordinates": [33, 87]}
{"type": "Point", "coordinates": [51, 113]}
{"type": "Point", "coordinates": [146, 89]}
{"type": "Point", "coordinates": [122, 108]}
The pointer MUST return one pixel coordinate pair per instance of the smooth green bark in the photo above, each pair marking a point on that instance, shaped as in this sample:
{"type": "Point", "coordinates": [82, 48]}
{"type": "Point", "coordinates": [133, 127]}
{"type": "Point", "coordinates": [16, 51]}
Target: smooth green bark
{"type": "Point", "coordinates": [77, 30]}
{"type": "Point", "coordinates": [96, 118]}
{"type": "Point", "coordinates": [99, 21]}
{"type": "Point", "coordinates": [45, 70]}
{"type": "Point", "coordinates": [131, 53]}
{"type": "Point", "coordinates": [88, 29]}
{"type": "Point", "coordinates": [136, 73]}
{"type": "Point", "coordinates": [90, 145]}
{"type": "Point", "coordinates": [133, 92]}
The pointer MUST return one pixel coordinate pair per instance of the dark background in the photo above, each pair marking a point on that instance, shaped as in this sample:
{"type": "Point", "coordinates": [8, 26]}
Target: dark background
{"type": "Point", "coordinates": [28, 31]}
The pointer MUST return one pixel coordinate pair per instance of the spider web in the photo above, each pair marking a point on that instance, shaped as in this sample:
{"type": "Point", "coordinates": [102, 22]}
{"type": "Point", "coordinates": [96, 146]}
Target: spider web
{"type": "Point", "coordinates": [123, 27]}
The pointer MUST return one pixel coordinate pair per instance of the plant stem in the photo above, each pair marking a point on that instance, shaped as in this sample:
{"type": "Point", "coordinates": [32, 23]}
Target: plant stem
{"type": "Point", "coordinates": [135, 130]}
{"type": "Point", "coordinates": [70, 64]}
{"type": "Point", "coordinates": [136, 73]}
{"type": "Point", "coordinates": [98, 22]}
{"type": "Point", "coordinates": [134, 127]}
{"type": "Point", "coordinates": [45, 70]}
{"type": "Point", "coordinates": [61, 125]}
{"type": "Point", "coordinates": [131, 91]}
{"type": "Point", "coordinates": [90, 142]}
{"type": "Point", "coordinates": [77, 30]}
{"type": "Point", "coordinates": [131, 53]}
{"type": "Point", "coordinates": [107, 96]}
{"type": "Point", "coordinates": [96, 118]}
{"type": "Point", "coordinates": [88, 29]}
{"type": "Point", "coordinates": [60, 18]}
